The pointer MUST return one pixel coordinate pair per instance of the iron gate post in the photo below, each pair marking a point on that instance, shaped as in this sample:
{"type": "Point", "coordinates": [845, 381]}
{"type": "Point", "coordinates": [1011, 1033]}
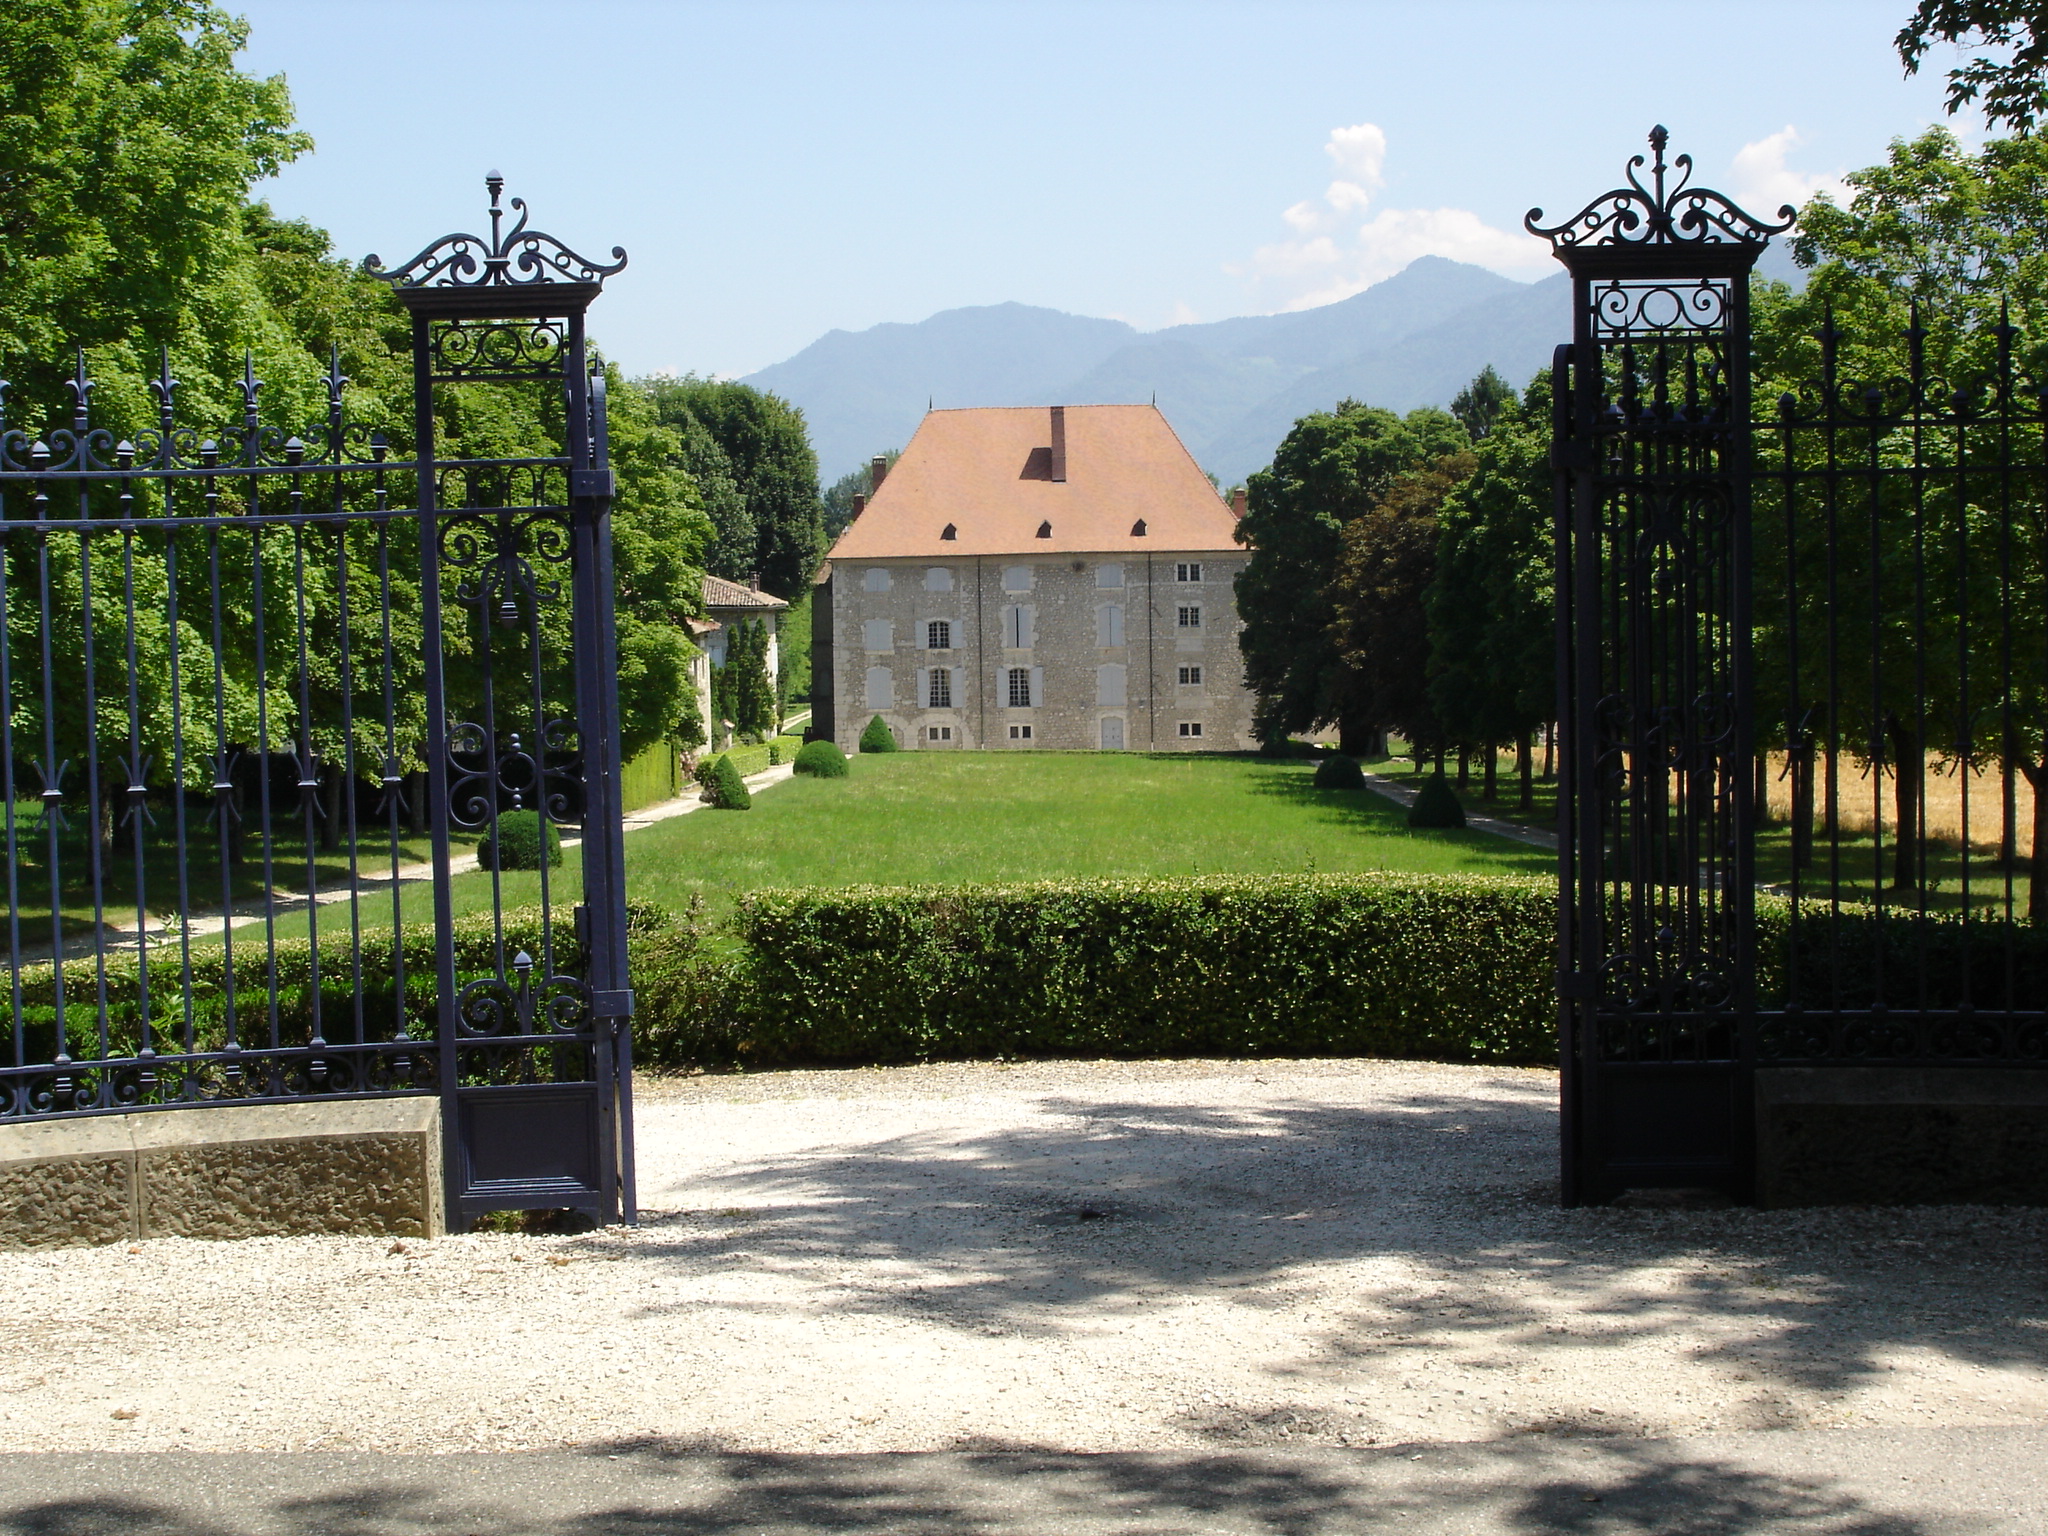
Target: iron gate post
{"type": "Point", "coordinates": [1656, 905]}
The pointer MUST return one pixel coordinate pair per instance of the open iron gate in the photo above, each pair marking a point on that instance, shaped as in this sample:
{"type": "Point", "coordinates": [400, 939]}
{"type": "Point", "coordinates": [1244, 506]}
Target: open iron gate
{"type": "Point", "coordinates": [262, 685]}
{"type": "Point", "coordinates": [1802, 658]}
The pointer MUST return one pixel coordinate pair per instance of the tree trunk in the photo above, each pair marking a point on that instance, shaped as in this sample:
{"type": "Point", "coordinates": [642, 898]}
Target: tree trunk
{"type": "Point", "coordinates": [1490, 756]}
{"type": "Point", "coordinates": [1831, 810]}
{"type": "Point", "coordinates": [1802, 808]}
{"type": "Point", "coordinates": [2009, 819]}
{"type": "Point", "coordinates": [416, 803]}
{"type": "Point", "coordinates": [1525, 763]}
{"type": "Point", "coordinates": [1464, 766]}
{"type": "Point", "coordinates": [331, 782]}
{"type": "Point", "coordinates": [2037, 863]}
{"type": "Point", "coordinates": [1355, 738]}
{"type": "Point", "coordinates": [1909, 764]}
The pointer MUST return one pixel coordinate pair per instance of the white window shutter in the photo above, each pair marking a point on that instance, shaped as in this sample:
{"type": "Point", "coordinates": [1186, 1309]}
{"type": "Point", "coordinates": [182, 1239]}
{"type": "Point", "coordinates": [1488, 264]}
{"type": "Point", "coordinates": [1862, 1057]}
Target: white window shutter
{"type": "Point", "coordinates": [1038, 687]}
{"type": "Point", "coordinates": [959, 678]}
{"type": "Point", "coordinates": [918, 698]}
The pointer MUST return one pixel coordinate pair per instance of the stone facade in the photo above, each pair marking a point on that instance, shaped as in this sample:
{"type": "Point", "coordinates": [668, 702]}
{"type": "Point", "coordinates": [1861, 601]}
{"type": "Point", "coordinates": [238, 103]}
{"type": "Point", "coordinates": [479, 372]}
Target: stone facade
{"type": "Point", "coordinates": [1069, 652]}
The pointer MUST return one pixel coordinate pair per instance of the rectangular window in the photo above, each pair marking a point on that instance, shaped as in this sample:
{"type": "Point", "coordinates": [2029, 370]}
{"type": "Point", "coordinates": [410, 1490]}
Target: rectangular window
{"type": "Point", "coordinates": [938, 635]}
{"type": "Point", "coordinates": [1188, 570]}
{"type": "Point", "coordinates": [1109, 576]}
{"type": "Point", "coordinates": [938, 579]}
{"type": "Point", "coordinates": [1019, 627]}
{"type": "Point", "coordinates": [1191, 677]}
{"type": "Point", "coordinates": [1191, 727]}
{"type": "Point", "coordinates": [881, 688]}
{"type": "Point", "coordinates": [878, 635]}
{"type": "Point", "coordinates": [1016, 578]}
{"type": "Point", "coordinates": [1020, 733]}
{"type": "Point", "coordinates": [940, 694]}
{"type": "Point", "coordinates": [1020, 688]}
{"type": "Point", "coordinates": [1190, 615]}
{"type": "Point", "coordinates": [1109, 624]}
{"type": "Point", "coordinates": [875, 579]}
{"type": "Point", "coordinates": [938, 733]}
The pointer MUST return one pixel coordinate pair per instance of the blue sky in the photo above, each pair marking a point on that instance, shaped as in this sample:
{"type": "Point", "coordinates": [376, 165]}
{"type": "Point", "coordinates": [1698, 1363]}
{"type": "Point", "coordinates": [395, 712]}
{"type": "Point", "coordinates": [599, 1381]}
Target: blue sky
{"type": "Point", "coordinates": [778, 168]}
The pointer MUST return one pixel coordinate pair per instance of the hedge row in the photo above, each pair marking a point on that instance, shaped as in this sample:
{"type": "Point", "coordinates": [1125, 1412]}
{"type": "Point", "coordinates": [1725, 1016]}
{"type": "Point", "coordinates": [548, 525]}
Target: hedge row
{"type": "Point", "coordinates": [1453, 968]}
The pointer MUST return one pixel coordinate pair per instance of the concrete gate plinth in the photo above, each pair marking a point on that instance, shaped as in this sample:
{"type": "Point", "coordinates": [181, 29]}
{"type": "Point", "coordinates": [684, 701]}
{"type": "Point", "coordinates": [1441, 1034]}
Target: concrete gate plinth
{"type": "Point", "coordinates": [368, 1166]}
{"type": "Point", "coordinates": [1901, 1136]}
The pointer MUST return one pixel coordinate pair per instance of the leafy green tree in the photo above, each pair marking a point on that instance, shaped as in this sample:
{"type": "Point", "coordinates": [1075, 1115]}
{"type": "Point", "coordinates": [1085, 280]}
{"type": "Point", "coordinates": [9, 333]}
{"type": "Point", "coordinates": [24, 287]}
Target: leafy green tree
{"type": "Point", "coordinates": [1379, 628]}
{"type": "Point", "coordinates": [2009, 88]}
{"type": "Point", "coordinates": [1332, 468]}
{"type": "Point", "coordinates": [1916, 273]}
{"type": "Point", "coordinates": [1480, 404]}
{"type": "Point", "coordinates": [767, 445]}
{"type": "Point", "coordinates": [1490, 604]}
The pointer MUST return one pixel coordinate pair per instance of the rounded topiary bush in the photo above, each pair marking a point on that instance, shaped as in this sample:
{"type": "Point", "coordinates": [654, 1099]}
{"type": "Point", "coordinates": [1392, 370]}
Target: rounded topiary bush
{"type": "Point", "coordinates": [877, 737]}
{"type": "Point", "coordinates": [1436, 804]}
{"type": "Point", "coordinates": [517, 841]}
{"type": "Point", "coordinates": [1339, 772]}
{"type": "Point", "coordinates": [728, 790]}
{"type": "Point", "coordinates": [823, 759]}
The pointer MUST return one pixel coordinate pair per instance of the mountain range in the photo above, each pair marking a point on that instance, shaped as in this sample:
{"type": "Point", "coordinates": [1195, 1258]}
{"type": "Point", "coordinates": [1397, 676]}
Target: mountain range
{"type": "Point", "coordinates": [1231, 388]}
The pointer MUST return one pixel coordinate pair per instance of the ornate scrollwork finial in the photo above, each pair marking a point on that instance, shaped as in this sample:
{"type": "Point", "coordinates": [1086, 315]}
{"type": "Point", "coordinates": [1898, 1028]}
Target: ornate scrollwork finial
{"type": "Point", "coordinates": [516, 258]}
{"type": "Point", "coordinates": [1639, 215]}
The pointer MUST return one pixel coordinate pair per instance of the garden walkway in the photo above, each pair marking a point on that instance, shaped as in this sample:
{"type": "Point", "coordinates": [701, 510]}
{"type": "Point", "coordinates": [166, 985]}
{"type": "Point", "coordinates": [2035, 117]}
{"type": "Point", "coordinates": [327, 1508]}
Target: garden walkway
{"type": "Point", "coordinates": [1404, 794]}
{"type": "Point", "coordinates": [119, 937]}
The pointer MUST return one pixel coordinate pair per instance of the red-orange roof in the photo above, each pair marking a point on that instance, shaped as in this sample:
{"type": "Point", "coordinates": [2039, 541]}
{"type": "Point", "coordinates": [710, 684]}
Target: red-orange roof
{"type": "Point", "coordinates": [988, 473]}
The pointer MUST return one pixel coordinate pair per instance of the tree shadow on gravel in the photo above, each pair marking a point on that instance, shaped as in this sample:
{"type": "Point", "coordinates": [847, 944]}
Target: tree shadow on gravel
{"type": "Point", "coordinates": [1094, 1206]}
{"type": "Point", "coordinates": [640, 1489]}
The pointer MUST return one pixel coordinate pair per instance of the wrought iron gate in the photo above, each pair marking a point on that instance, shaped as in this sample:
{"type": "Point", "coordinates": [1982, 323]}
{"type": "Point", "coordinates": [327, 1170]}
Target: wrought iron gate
{"type": "Point", "coordinates": [264, 685]}
{"type": "Point", "coordinates": [1759, 610]}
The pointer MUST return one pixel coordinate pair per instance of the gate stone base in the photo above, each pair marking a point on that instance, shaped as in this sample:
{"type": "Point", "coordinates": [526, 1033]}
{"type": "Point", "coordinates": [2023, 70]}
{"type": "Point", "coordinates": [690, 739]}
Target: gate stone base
{"type": "Point", "coordinates": [1901, 1136]}
{"type": "Point", "coordinates": [366, 1166]}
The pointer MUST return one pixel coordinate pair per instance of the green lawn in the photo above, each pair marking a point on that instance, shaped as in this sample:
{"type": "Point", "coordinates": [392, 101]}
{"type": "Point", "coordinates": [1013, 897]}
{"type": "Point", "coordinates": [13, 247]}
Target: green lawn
{"type": "Point", "coordinates": [917, 818]}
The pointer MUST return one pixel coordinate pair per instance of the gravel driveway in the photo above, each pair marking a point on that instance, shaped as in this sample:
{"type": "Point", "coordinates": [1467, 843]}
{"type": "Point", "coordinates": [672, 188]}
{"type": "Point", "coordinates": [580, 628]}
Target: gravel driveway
{"type": "Point", "coordinates": [1133, 1256]}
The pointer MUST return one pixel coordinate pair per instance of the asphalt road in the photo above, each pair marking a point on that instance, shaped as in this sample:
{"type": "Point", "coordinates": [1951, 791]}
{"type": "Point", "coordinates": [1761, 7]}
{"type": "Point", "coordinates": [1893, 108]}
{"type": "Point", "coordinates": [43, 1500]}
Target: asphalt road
{"type": "Point", "coordinates": [1939, 1482]}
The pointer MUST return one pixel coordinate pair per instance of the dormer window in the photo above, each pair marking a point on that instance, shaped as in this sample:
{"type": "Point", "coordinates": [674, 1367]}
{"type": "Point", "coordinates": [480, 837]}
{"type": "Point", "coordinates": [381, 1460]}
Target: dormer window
{"type": "Point", "coordinates": [1045, 530]}
{"type": "Point", "coordinates": [949, 532]}
{"type": "Point", "coordinates": [1138, 529]}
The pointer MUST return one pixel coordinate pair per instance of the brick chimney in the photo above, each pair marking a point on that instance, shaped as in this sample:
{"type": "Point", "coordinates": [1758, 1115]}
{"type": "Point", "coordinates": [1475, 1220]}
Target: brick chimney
{"type": "Point", "coordinates": [1059, 442]}
{"type": "Point", "coordinates": [878, 468]}
{"type": "Point", "coordinates": [753, 581]}
{"type": "Point", "coordinates": [1237, 502]}
{"type": "Point", "coordinates": [860, 503]}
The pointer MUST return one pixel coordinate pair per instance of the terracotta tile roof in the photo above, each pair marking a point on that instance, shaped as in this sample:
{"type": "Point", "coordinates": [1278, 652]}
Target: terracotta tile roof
{"type": "Point", "coordinates": [988, 474]}
{"type": "Point", "coordinates": [720, 593]}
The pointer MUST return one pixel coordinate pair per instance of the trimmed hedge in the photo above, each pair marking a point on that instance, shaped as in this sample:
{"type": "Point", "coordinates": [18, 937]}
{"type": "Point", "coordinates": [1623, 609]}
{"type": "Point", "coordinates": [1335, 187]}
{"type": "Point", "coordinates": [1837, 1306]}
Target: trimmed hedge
{"type": "Point", "coordinates": [1436, 804]}
{"type": "Point", "coordinates": [728, 791]}
{"type": "Point", "coordinates": [876, 736]}
{"type": "Point", "coordinates": [516, 841]}
{"type": "Point", "coordinates": [783, 749]}
{"type": "Point", "coordinates": [1454, 968]}
{"type": "Point", "coordinates": [1339, 772]}
{"type": "Point", "coordinates": [823, 759]}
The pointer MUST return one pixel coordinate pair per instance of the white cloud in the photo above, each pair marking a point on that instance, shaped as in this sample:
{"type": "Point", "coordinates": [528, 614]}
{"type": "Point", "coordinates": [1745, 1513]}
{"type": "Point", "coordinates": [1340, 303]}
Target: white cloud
{"type": "Point", "coordinates": [1336, 252]}
{"type": "Point", "coordinates": [1761, 182]}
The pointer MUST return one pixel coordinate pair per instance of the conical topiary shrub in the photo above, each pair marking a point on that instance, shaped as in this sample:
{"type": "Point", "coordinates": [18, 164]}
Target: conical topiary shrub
{"type": "Point", "coordinates": [823, 759]}
{"type": "Point", "coordinates": [1436, 804]}
{"type": "Point", "coordinates": [728, 790]}
{"type": "Point", "coordinates": [878, 737]}
{"type": "Point", "coordinates": [1339, 772]}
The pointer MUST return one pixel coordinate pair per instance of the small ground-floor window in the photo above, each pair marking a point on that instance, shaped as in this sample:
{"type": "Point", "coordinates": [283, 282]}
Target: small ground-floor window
{"type": "Point", "coordinates": [938, 733]}
{"type": "Point", "coordinates": [1020, 733]}
{"type": "Point", "coordinates": [1191, 727]}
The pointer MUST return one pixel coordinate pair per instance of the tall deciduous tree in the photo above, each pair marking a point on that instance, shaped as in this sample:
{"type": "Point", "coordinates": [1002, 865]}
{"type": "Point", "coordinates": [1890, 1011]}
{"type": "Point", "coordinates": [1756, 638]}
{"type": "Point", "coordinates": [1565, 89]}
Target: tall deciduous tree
{"type": "Point", "coordinates": [768, 448]}
{"type": "Point", "coordinates": [1379, 627]}
{"type": "Point", "coordinates": [1333, 467]}
{"type": "Point", "coordinates": [2009, 83]}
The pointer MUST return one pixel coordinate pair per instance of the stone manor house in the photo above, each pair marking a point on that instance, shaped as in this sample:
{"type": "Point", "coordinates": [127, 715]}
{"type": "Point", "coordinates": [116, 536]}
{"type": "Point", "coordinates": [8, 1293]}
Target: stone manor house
{"type": "Point", "coordinates": [1026, 577]}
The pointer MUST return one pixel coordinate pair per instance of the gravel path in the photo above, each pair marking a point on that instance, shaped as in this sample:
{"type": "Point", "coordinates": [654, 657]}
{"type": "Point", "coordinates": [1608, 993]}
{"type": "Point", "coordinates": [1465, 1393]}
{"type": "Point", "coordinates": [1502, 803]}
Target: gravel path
{"type": "Point", "coordinates": [1084, 1256]}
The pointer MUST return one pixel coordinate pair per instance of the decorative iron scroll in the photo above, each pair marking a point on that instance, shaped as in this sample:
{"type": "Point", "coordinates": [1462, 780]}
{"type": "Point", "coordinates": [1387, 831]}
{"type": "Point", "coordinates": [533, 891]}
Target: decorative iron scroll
{"type": "Point", "coordinates": [514, 258]}
{"type": "Point", "coordinates": [1658, 215]}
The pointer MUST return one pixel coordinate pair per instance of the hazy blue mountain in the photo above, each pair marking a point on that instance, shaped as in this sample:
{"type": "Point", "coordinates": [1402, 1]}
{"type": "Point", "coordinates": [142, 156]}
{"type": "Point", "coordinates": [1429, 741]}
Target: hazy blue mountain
{"type": "Point", "coordinates": [1231, 388]}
